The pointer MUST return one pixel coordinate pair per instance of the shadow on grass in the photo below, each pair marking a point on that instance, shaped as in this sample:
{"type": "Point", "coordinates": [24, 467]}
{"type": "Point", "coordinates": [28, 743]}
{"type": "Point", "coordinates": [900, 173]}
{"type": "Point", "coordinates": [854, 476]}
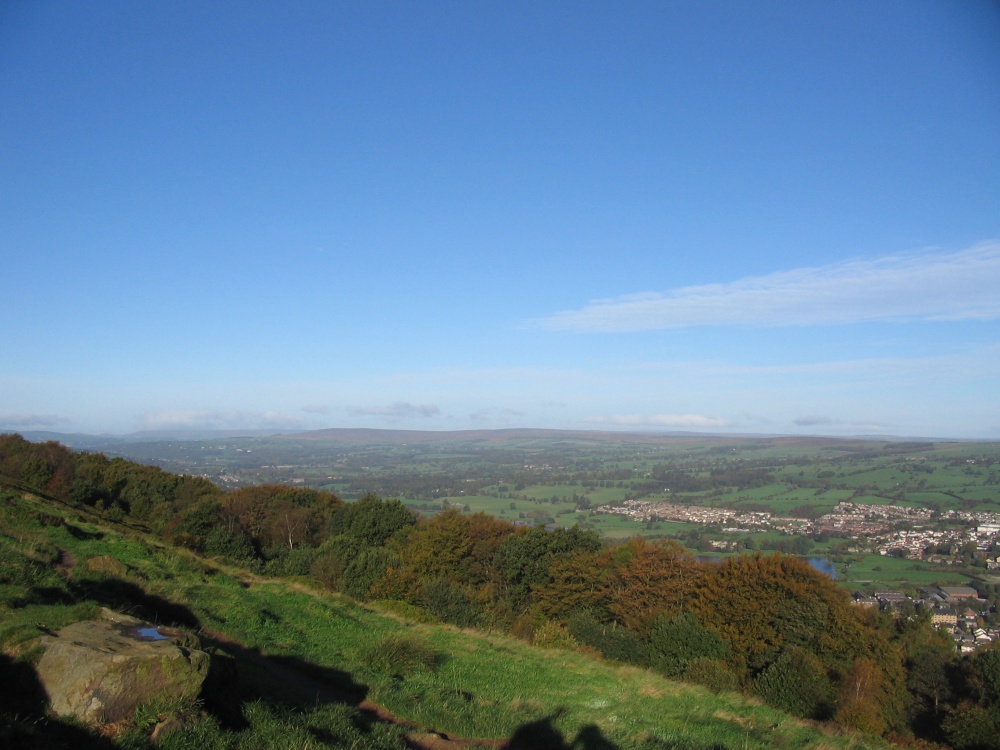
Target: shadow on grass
{"type": "Point", "coordinates": [240, 675]}
{"type": "Point", "coordinates": [124, 596]}
{"type": "Point", "coordinates": [543, 735]}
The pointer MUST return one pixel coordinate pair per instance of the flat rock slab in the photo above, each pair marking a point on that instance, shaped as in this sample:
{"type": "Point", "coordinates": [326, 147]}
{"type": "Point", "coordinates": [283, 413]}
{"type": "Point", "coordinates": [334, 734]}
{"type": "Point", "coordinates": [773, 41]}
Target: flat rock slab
{"type": "Point", "coordinates": [101, 670]}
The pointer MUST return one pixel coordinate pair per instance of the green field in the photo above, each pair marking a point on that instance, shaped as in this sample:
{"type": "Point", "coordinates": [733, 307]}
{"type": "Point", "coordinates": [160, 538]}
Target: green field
{"type": "Point", "coordinates": [879, 571]}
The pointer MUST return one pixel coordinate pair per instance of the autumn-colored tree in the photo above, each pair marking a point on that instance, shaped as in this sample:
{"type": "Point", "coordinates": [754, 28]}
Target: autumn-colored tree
{"type": "Point", "coordinates": [486, 534]}
{"type": "Point", "coordinates": [280, 517]}
{"type": "Point", "coordinates": [294, 524]}
{"type": "Point", "coordinates": [650, 580]}
{"type": "Point", "coordinates": [248, 507]}
{"type": "Point", "coordinates": [577, 581]}
{"type": "Point", "coordinates": [763, 603]}
{"type": "Point", "coordinates": [399, 583]}
{"type": "Point", "coordinates": [438, 547]}
{"type": "Point", "coordinates": [859, 699]}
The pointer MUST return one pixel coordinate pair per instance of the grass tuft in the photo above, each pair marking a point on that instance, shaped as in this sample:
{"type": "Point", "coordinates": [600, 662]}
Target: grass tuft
{"type": "Point", "coordinates": [399, 655]}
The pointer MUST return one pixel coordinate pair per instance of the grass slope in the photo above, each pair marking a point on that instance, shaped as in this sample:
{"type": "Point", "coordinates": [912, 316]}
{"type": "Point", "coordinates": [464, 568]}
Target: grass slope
{"type": "Point", "coordinates": [303, 653]}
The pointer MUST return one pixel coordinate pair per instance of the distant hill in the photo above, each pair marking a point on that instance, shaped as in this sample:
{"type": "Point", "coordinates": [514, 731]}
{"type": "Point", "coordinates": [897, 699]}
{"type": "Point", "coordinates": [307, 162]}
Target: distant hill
{"type": "Point", "coordinates": [371, 436]}
{"type": "Point", "coordinates": [375, 436]}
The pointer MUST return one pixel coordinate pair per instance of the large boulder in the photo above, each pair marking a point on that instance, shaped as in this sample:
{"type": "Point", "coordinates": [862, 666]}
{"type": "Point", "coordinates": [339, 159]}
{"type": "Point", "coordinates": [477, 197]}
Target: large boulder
{"type": "Point", "coordinates": [100, 670]}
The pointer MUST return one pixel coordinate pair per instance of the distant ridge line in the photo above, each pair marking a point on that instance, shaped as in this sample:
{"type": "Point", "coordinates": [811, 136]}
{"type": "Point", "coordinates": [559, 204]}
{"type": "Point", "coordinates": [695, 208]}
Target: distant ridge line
{"type": "Point", "coordinates": [374, 435]}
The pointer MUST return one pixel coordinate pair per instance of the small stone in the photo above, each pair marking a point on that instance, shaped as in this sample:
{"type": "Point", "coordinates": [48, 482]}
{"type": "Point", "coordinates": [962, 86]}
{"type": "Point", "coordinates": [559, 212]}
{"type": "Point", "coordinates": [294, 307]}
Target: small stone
{"type": "Point", "coordinates": [168, 726]}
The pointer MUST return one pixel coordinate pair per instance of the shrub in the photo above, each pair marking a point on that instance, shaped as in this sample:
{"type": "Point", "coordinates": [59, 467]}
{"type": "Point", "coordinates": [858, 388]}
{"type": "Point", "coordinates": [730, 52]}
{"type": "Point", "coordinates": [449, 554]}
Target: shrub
{"type": "Point", "coordinates": [612, 640]}
{"type": "Point", "coordinates": [553, 635]}
{"type": "Point", "coordinates": [712, 673]}
{"type": "Point", "coordinates": [676, 642]}
{"type": "Point", "coordinates": [365, 570]}
{"type": "Point", "coordinates": [296, 562]}
{"type": "Point", "coordinates": [450, 603]}
{"type": "Point", "coordinates": [796, 682]}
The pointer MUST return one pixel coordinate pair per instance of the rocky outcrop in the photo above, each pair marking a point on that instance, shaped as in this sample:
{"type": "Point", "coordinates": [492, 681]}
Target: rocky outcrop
{"type": "Point", "coordinates": [100, 670]}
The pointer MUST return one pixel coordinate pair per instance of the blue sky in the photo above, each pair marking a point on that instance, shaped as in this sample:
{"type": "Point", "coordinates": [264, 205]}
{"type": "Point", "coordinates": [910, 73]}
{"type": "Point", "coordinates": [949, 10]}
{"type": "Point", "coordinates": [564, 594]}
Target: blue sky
{"type": "Point", "coordinates": [775, 217]}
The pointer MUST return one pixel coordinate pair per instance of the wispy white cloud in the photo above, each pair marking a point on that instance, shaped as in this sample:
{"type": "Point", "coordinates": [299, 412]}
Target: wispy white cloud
{"type": "Point", "coordinates": [913, 286]}
{"type": "Point", "coordinates": [664, 420]}
{"type": "Point", "coordinates": [491, 416]}
{"type": "Point", "coordinates": [29, 421]}
{"type": "Point", "coordinates": [397, 410]}
{"type": "Point", "coordinates": [814, 421]}
{"type": "Point", "coordinates": [207, 419]}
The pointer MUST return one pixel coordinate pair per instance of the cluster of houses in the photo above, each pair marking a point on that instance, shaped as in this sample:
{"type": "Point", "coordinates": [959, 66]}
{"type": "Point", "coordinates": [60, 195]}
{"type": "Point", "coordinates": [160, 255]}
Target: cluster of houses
{"type": "Point", "coordinates": [649, 510]}
{"type": "Point", "coordinates": [885, 529]}
{"type": "Point", "coordinates": [956, 609]}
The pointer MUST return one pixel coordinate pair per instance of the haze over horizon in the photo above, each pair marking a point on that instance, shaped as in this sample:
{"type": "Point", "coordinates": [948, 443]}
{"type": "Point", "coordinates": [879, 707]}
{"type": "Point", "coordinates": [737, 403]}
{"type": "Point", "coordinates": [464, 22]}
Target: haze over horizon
{"type": "Point", "coordinates": [776, 218]}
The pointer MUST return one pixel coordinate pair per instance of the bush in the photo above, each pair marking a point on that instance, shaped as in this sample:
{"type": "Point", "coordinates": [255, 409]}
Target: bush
{"type": "Point", "coordinates": [449, 603]}
{"type": "Point", "coordinates": [796, 682]}
{"type": "Point", "coordinates": [674, 643]}
{"type": "Point", "coordinates": [237, 546]}
{"type": "Point", "coordinates": [553, 635]}
{"type": "Point", "coordinates": [365, 570]}
{"type": "Point", "coordinates": [296, 562]}
{"type": "Point", "coordinates": [712, 673]}
{"type": "Point", "coordinates": [613, 641]}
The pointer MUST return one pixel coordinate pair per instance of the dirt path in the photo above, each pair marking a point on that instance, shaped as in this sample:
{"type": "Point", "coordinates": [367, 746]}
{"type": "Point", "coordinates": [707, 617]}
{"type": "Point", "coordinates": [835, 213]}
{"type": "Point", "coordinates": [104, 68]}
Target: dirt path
{"type": "Point", "coordinates": [65, 564]}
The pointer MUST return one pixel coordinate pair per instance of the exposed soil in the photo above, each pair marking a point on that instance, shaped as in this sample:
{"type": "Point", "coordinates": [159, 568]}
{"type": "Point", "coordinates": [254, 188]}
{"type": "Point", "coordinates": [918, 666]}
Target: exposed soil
{"type": "Point", "coordinates": [65, 564]}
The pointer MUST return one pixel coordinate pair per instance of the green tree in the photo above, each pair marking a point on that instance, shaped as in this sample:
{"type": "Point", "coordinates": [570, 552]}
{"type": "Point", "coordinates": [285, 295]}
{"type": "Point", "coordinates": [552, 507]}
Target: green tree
{"type": "Point", "coordinates": [522, 560]}
{"type": "Point", "coordinates": [450, 603]}
{"type": "Point", "coordinates": [371, 519]}
{"type": "Point", "coordinates": [676, 642]}
{"type": "Point", "coordinates": [796, 682]}
{"type": "Point", "coordinates": [364, 571]}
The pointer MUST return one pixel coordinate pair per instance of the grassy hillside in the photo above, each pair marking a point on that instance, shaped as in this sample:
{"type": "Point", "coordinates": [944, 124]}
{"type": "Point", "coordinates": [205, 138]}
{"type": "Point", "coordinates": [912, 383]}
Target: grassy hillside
{"type": "Point", "coordinates": [316, 669]}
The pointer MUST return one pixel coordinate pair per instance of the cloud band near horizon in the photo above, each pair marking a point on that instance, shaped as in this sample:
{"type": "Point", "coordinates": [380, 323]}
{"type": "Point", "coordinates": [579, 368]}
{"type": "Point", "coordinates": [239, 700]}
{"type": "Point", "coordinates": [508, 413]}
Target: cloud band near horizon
{"type": "Point", "coordinates": [925, 286]}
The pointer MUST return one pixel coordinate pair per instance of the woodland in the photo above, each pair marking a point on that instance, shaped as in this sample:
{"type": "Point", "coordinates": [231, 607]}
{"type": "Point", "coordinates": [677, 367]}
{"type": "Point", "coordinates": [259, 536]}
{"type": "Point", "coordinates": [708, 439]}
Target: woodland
{"type": "Point", "coordinates": [768, 626]}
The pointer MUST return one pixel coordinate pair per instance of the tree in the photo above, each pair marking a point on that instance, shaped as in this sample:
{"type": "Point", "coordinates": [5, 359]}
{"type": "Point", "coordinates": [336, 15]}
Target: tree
{"type": "Point", "coordinates": [650, 580]}
{"type": "Point", "coordinates": [797, 683]}
{"type": "Point", "coordinates": [364, 571]}
{"type": "Point", "coordinates": [371, 519]}
{"type": "Point", "coordinates": [859, 699]}
{"type": "Point", "coordinates": [676, 642]}
{"type": "Point", "coordinates": [763, 603]}
{"type": "Point", "coordinates": [576, 582]}
{"type": "Point", "coordinates": [438, 547]}
{"type": "Point", "coordinates": [522, 560]}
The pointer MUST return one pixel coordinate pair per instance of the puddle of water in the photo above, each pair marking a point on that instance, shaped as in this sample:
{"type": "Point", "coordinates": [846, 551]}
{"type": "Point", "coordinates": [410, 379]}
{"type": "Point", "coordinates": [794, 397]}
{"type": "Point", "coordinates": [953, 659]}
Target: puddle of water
{"type": "Point", "coordinates": [150, 634]}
